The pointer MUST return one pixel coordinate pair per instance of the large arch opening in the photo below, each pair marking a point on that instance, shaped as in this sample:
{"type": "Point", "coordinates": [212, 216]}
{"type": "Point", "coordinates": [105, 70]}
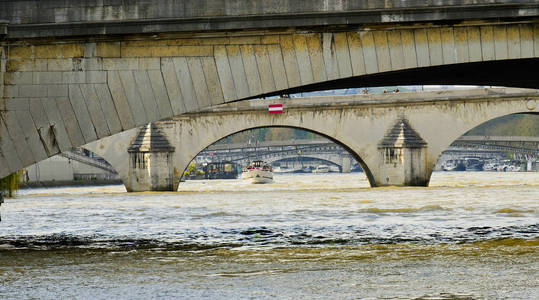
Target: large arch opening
{"type": "Point", "coordinates": [265, 142]}
{"type": "Point", "coordinates": [509, 143]}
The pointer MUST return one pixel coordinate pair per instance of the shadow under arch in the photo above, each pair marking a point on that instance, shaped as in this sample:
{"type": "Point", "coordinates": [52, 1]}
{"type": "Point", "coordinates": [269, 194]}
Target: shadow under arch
{"type": "Point", "coordinates": [518, 73]}
{"type": "Point", "coordinates": [363, 165]}
{"type": "Point", "coordinates": [486, 130]}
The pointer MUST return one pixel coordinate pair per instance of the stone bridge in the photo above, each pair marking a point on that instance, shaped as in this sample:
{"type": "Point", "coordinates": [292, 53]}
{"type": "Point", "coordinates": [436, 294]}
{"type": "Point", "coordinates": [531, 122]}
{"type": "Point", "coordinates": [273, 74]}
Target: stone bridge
{"type": "Point", "coordinates": [396, 138]}
{"type": "Point", "coordinates": [73, 72]}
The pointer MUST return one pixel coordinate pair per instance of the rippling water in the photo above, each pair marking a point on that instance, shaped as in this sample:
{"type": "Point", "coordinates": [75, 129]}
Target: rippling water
{"type": "Point", "coordinates": [468, 236]}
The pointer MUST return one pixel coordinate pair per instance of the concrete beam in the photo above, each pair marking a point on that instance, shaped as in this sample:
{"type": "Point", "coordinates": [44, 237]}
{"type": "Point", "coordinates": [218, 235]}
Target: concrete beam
{"type": "Point", "coordinates": [49, 18]}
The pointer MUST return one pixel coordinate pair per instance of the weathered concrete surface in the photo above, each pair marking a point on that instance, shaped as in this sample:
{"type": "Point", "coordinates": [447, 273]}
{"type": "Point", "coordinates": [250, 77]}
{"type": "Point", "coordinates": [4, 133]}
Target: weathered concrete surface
{"type": "Point", "coordinates": [359, 122]}
{"type": "Point", "coordinates": [45, 18]}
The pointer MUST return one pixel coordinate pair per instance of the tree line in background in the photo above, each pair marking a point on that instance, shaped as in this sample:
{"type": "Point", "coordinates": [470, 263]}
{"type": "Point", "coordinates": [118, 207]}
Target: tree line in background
{"type": "Point", "coordinates": [511, 125]}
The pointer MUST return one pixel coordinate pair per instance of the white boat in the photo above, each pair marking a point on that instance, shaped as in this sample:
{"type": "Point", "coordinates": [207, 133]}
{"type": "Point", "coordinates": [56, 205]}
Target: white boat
{"type": "Point", "coordinates": [321, 169]}
{"type": "Point", "coordinates": [257, 172]}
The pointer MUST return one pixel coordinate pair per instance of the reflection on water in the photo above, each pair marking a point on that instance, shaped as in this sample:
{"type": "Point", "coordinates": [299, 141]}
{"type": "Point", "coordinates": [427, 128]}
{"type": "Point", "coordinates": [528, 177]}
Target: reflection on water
{"type": "Point", "coordinates": [468, 236]}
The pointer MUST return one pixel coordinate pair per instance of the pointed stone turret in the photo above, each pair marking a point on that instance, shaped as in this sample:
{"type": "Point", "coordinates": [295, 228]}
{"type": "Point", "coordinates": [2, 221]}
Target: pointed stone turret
{"type": "Point", "coordinates": [402, 135]}
{"type": "Point", "coordinates": [403, 160]}
{"type": "Point", "coordinates": [150, 166]}
{"type": "Point", "coordinates": [150, 139]}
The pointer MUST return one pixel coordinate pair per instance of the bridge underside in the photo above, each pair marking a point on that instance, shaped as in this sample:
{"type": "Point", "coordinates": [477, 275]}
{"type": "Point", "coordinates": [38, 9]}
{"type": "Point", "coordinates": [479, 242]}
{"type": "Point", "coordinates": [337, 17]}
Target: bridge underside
{"type": "Point", "coordinates": [512, 73]}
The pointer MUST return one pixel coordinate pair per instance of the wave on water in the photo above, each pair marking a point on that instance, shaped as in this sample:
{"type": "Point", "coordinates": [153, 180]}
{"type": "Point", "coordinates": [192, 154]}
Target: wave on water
{"type": "Point", "coordinates": [268, 238]}
{"type": "Point", "coordinates": [404, 209]}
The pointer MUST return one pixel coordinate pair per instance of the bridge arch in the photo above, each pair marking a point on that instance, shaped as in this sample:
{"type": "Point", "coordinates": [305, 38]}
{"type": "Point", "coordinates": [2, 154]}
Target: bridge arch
{"type": "Point", "coordinates": [461, 130]}
{"type": "Point", "coordinates": [182, 161]}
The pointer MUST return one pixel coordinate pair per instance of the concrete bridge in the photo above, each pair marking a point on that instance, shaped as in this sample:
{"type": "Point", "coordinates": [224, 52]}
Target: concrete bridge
{"type": "Point", "coordinates": [396, 138]}
{"type": "Point", "coordinates": [75, 72]}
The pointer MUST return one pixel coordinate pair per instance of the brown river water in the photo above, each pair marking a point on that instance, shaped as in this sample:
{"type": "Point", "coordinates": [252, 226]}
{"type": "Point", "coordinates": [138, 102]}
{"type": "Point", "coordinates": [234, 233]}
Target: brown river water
{"type": "Point", "coordinates": [470, 235]}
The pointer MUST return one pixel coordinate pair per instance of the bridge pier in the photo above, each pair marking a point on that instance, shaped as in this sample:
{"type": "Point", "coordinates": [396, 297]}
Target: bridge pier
{"type": "Point", "coordinates": [150, 163]}
{"type": "Point", "coordinates": [346, 164]}
{"type": "Point", "coordinates": [402, 157]}
{"type": "Point", "coordinates": [530, 165]}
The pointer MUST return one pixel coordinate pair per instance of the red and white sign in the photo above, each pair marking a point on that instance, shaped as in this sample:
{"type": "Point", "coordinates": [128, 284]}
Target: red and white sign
{"type": "Point", "coordinates": [275, 108]}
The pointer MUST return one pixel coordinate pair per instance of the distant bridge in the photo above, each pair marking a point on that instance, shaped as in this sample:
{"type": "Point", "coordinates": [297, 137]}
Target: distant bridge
{"type": "Point", "coordinates": [327, 150]}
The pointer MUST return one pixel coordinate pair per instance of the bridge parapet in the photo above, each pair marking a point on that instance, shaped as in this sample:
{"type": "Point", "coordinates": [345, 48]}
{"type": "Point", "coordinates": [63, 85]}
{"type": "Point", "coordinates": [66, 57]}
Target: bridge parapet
{"type": "Point", "coordinates": [45, 18]}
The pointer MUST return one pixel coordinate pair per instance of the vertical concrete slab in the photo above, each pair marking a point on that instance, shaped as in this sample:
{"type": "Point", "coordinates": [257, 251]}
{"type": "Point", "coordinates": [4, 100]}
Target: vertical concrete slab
{"type": "Point", "coordinates": [199, 81]}
{"type": "Point", "coordinates": [536, 39]}
{"type": "Point", "coordinates": [369, 52]}
{"type": "Point", "coordinates": [18, 138]}
{"type": "Point", "coordinates": [434, 37]}
{"type": "Point", "coordinates": [109, 110]}
{"type": "Point", "coordinates": [70, 121]}
{"type": "Point", "coordinates": [448, 45]}
{"type": "Point", "coordinates": [264, 68]}
{"type": "Point", "coordinates": [487, 43]}
{"type": "Point", "coordinates": [238, 71]}
{"type": "Point", "coordinates": [290, 60]}
{"type": "Point", "coordinates": [330, 57]}
{"type": "Point", "coordinates": [55, 119]}
{"type": "Point", "coordinates": [500, 42]}
{"type": "Point", "coordinates": [81, 112]}
{"type": "Point", "coordinates": [526, 41]}
{"type": "Point", "coordinates": [382, 51]}
{"type": "Point", "coordinates": [120, 100]}
{"type": "Point", "coordinates": [43, 126]}
{"type": "Point", "coordinates": [4, 171]}
{"type": "Point", "coordinates": [186, 83]}
{"type": "Point", "coordinates": [96, 112]}
{"type": "Point", "coordinates": [356, 53]}
{"type": "Point", "coordinates": [144, 89]}
{"type": "Point", "coordinates": [422, 47]}
{"type": "Point", "coordinates": [277, 67]}
{"type": "Point", "coordinates": [474, 43]}
{"type": "Point", "coordinates": [2, 71]}
{"type": "Point", "coordinates": [212, 80]}
{"type": "Point", "coordinates": [513, 41]}
{"type": "Point", "coordinates": [9, 151]}
{"type": "Point", "coordinates": [251, 69]}
{"type": "Point", "coordinates": [314, 46]}
{"type": "Point", "coordinates": [408, 48]}
{"type": "Point", "coordinates": [343, 55]}
{"type": "Point", "coordinates": [173, 88]}
{"type": "Point", "coordinates": [395, 49]}
{"type": "Point", "coordinates": [225, 73]}
{"type": "Point", "coordinates": [461, 45]}
{"type": "Point", "coordinates": [133, 98]}
{"type": "Point", "coordinates": [303, 59]}
{"type": "Point", "coordinates": [32, 137]}
{"type": "Point", "coordinates": [160, 93]}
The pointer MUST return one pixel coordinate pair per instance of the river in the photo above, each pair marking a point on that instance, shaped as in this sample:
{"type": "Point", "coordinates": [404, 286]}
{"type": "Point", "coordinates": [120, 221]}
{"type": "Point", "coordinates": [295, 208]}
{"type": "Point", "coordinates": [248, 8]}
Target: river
{"type": "Point", "coordinates": [470, 235]}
